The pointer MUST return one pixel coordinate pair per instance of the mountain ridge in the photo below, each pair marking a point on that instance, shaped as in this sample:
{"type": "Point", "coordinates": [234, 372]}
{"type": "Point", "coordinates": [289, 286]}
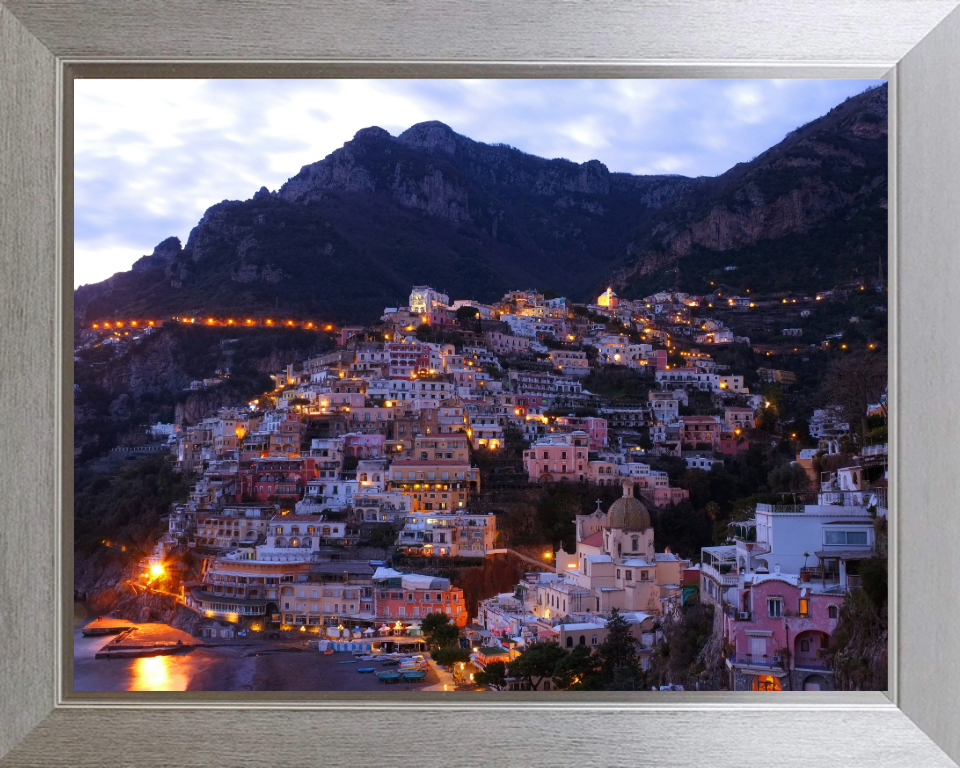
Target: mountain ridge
{"type": "Point", "coordinates": [350, 233]}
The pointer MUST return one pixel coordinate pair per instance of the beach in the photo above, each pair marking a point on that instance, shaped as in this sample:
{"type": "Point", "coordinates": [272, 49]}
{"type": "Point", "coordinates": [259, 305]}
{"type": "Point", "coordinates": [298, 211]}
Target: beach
{"type": "Point", "coordinates": [251, 665]}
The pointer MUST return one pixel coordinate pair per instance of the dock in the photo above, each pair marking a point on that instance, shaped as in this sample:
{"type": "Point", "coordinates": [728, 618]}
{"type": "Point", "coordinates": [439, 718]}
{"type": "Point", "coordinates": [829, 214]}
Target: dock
{"type": "Point", "coordinates": [106, 626]}
{"type": "Point", "coordinates": [148, 640]}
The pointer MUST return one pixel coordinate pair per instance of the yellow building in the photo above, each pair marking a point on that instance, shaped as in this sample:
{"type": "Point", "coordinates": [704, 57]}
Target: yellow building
{"type": "Point", "coordinates": [615, 565]}
{"type": "Point", "coordinates": [607, 299]}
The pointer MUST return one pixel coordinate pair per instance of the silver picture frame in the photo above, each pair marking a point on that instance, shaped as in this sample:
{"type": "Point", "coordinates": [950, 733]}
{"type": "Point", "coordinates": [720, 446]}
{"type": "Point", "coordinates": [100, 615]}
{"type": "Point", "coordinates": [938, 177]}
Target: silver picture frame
{"type": "Point", "coordinates": [45, 45]}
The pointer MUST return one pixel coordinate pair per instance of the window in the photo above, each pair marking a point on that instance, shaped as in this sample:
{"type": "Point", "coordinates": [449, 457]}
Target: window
{"type": "Point", "coordinates": [845, 538]}
{"type": "Point", "coordinates": [629, 575]}
{"type": "Point", "coordinates": [804, 607]}
{"type": "Point", "coordinates": [805, 646]}
{"type": "Point", "coordinates": [635, 543]}
{"type": "Point", "coordinates": [775, 604]}
{"type": "Point", "coordinates": [832, 611]}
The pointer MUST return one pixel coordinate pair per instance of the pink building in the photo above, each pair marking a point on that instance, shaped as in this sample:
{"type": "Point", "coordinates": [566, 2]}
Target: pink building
{"type": "Point", "coordinates": [664, 496]}
{"type": "Point", "coordinates": [363, 445]}
{"type": "Point", "coordinates": [698, 430]}
{"type": "Point", "coordinates": [284, 478]}
{"type": "Point", "coordinates": [407, 359]}
{"type": "Point", "coordinates": [595, 427]}
{"type": "Point", "coordinates": [557, 457]}
{"type": "Point", "coordinates": [657, 358]}
{"type": "Point", "coordinates": [408, 597]}
{"type": "Point", "coordinates": [347, 333]}
{"type": "Point", "coordinates": [731, 446]}
{"type": "Point", "coordinates": [505, 344]}
{"type": "Point", "coordinates": [441, 316]}
{"type": "Point", "coordinates": [777, 632]}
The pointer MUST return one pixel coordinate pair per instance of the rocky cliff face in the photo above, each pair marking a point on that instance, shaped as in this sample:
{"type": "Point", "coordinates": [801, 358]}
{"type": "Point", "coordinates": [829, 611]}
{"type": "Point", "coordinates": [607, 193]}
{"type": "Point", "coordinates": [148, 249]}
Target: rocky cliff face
{"type": "Point", "coordinates": [102, 584]}
{"type": "Point", "coordinates": [836, 165]}
{"type": "Point", "coordinates": [350, 233]}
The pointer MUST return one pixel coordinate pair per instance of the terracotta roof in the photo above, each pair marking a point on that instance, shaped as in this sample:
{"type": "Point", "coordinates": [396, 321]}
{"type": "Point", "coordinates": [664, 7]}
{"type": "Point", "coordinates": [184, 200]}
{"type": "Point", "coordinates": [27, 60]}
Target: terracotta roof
{"type": "Point", "coordinates": [594, 539]}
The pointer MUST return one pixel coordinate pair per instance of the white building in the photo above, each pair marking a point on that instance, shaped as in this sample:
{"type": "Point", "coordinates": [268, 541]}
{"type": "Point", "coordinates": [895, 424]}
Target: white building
{"type": "Point", "coordinates": [423, 299]}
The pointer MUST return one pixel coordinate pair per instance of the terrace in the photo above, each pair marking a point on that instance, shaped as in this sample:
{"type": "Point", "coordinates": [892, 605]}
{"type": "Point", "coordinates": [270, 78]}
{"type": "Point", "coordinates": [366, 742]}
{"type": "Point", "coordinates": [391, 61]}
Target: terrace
{"type": "Point", "coordinates": [719, 563]}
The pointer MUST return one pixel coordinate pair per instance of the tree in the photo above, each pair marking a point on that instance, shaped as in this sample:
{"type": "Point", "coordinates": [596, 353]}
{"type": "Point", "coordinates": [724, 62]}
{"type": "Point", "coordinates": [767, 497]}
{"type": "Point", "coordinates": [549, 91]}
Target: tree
{"type": "Point", "coordinates": [495, 674]}
{"type": "Point", "coordinates": [465, 314]}
{"type": "Point", "coordinates": [788, 478]}
{"type": "Point", "coordinates": [439, 631]}
{"type": "Point", "coordinates": [619, 649]}
{"type": "Point", "coordinates": [854, 382]}
{"type": "Point", "coordinates": [577, 671]}
{"type": "Point", "coordinates": [537, 663]}
{"type": "Point", "coordinates": [450, 655]}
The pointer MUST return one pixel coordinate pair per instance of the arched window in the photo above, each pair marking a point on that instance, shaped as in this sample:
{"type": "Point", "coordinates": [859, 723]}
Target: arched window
{"type": "Point", "coordinates": [593, 641]}
{"type": "Point", "coordinates": [805, 646]}
{"type": "Point", "coordinates": [570, 642]}
{"type": "Point", "coordinates": [583, 640]}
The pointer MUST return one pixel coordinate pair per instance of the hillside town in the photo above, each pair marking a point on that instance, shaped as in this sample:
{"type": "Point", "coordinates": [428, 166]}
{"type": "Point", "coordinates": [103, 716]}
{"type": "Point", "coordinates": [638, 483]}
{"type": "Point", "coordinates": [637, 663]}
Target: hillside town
{"type": "Point", "coordinates": [394, 435]}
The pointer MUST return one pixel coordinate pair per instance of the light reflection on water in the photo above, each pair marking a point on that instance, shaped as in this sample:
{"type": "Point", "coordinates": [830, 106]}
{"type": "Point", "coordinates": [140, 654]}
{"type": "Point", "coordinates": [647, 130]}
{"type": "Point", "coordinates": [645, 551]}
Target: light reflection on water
{"type": "Point", "coordinates": [149, 673]}
{"type": "Point", "coordinates": [158, 673]}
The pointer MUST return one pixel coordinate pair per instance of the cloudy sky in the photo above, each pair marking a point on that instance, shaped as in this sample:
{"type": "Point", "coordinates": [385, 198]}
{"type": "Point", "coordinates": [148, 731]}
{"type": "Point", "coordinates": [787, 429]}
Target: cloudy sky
{"type": "Point", "coordinates": [152, 155]}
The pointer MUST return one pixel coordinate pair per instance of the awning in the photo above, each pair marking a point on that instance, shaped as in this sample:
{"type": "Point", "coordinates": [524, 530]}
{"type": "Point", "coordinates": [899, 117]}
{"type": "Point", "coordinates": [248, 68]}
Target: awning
{"type": "Point", "coordinates": [845, 554]}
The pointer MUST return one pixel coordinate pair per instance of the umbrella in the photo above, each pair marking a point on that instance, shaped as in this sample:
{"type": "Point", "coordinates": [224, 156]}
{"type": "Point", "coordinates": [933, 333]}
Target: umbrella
{"type": "Point", "coordinates": [368, 631]}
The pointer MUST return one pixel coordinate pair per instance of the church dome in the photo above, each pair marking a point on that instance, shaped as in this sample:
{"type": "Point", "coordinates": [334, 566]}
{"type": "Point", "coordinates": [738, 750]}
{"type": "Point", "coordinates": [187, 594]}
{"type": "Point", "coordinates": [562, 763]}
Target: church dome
{"type": "Point", "coordinates": [627, 513]}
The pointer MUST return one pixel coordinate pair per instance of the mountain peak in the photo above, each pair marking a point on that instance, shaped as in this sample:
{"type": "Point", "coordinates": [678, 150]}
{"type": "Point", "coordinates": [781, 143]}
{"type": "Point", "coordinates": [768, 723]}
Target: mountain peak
{"type": "Point", "coordinates": [432, 135]}
{"type": "Point", "coordinates": [373, 132]}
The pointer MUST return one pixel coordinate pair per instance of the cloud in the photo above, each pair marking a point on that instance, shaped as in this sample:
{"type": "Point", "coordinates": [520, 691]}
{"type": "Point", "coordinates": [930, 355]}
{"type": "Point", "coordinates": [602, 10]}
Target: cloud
{"type": "Point", "coordinates": [152, 155]}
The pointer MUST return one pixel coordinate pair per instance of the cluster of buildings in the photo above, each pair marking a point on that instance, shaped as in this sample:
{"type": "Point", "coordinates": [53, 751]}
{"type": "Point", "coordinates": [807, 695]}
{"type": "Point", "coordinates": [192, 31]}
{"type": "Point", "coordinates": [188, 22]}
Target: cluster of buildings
{"type": "Point", "coordinates": [614, 566]}
{"type": "Point", "coordinates": [780, 583]}
{"type": "Point", "coordinates": [375, 440]}
{"type": "Point", "coordinates": [378, 434]}
{"type": "Point", "coordinates": [777, 585]}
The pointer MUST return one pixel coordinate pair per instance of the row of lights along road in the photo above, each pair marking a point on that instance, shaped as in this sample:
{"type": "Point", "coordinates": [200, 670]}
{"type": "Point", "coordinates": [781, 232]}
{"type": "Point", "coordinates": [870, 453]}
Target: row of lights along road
{"type": "Point", "coordinates": [212, 321]}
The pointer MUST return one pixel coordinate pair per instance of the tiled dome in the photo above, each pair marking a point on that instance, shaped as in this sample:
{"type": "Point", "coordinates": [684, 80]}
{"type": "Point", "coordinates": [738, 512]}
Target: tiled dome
{"type": "Point", "coordinates": [627, 513]}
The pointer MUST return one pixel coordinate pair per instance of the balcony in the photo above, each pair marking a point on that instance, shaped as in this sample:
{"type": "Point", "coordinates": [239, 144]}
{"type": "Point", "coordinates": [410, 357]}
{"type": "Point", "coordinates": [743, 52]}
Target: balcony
{"type": "Point", "coordinates": [735, 613]}
{"type": "Point", "coordinates": [726, 578]}
{"type": "Point", "coordinates": [748, 660]}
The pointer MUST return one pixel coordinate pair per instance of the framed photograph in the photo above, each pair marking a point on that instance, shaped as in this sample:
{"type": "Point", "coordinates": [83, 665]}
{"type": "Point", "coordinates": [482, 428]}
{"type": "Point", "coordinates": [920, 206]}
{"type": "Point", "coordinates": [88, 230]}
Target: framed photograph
{"type": "Point", "coordinates": [304, 536]}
